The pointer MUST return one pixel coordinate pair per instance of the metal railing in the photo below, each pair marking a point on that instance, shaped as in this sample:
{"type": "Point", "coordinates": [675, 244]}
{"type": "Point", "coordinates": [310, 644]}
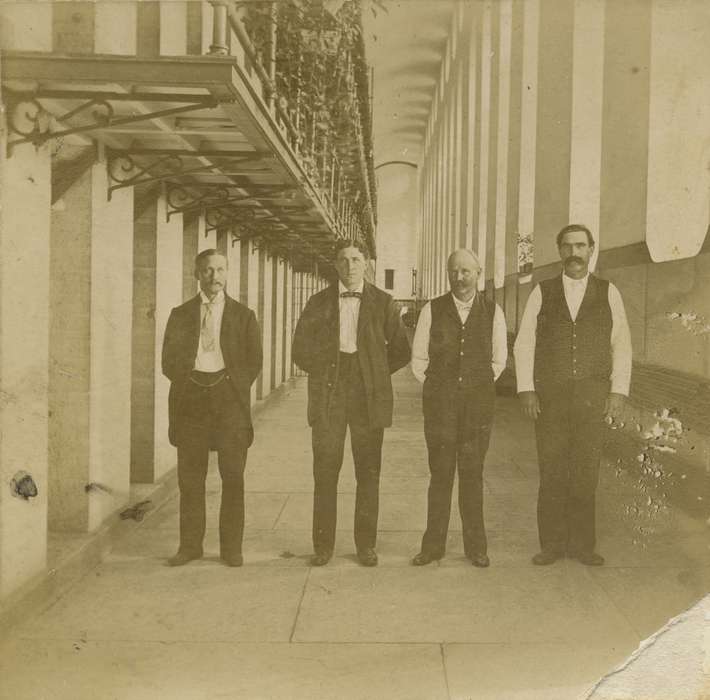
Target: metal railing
{"type": "Point", "coordinates": [311, 66]}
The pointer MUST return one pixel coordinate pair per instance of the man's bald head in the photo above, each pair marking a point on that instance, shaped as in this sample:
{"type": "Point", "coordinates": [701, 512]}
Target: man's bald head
{"type": "Point", "coordinates": [463, 268]}
{"type": "Point", "coordinates": [463, 253]}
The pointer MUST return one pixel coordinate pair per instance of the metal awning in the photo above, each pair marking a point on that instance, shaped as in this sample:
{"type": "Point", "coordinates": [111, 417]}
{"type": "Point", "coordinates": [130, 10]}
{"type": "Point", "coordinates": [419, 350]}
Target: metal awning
{"type": "Point", "coordinates": [195, 126]}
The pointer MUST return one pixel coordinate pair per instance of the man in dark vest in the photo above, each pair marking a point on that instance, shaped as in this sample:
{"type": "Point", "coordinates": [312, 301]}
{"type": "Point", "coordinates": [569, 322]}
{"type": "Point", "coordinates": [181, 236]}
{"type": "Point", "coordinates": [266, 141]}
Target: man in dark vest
{"type": "Point", "coordinates": [459, 350]}
{"type": "Point", "coordinates": [211, 355]}
{"type": "Point", "coordinates": [349, 339]}
{"type": "Point", "coordinates": [573, 366]}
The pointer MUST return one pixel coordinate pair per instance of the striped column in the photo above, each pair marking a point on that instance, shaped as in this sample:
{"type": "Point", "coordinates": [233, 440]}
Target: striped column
{"type": "Point", "coordinates": [587, 97]}
{"type": "Point", "coordinates": [554, 119]}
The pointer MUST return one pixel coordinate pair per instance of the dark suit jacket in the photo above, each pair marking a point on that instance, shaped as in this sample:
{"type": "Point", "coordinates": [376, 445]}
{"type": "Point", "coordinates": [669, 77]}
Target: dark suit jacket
{"type": "Point", "coordinates": [382, 344]}
{"type": "Point", "coordinates": [240, 341]}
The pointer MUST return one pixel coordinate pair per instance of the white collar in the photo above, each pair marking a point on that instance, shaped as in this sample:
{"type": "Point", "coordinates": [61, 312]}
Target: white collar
{"type": "Point", "coordinates": [219, 298]}
{"type": "Point", "coordinates": [566, 279]}
{"type": "Point", "coordinates": [464, 304]}
{"type": "Point", "coordinates": [342, 288]}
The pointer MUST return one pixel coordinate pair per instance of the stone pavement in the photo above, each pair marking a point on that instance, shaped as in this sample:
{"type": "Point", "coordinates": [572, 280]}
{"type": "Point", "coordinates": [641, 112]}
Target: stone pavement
{"type": "Point", "coordinates": [135, 629]}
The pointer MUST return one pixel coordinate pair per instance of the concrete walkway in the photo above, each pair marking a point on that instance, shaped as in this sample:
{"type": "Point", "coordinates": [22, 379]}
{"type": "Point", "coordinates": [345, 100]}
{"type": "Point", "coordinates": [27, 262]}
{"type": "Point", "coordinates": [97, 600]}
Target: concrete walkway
{"type": "Point", "coordinates": [136, 629]}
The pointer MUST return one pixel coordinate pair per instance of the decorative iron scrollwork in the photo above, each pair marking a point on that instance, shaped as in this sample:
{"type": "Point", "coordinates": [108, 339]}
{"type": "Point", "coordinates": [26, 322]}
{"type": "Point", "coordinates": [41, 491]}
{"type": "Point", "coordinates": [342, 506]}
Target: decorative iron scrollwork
{"type": "Point", "coordinates": [32, 123]}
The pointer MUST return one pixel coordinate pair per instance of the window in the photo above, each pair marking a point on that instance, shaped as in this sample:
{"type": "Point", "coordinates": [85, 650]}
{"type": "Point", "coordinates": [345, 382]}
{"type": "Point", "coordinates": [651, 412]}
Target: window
{"type": "Point", "coordinates": [389, 279]}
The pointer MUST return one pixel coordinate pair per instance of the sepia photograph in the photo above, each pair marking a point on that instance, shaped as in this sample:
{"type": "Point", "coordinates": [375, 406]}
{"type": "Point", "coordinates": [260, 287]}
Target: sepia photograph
{"type": "Point", "coordinates": [355, 349]}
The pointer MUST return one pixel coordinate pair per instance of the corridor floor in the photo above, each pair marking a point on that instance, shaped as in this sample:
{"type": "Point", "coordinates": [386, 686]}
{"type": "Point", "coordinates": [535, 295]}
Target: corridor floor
{"type": "Point", "coordinates": [136, 629]}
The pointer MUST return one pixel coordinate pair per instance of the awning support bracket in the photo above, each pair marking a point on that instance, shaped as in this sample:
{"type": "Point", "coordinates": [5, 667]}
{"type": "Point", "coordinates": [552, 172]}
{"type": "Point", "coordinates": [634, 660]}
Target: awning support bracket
{"type": "Point", "coordinates": [27, 117]}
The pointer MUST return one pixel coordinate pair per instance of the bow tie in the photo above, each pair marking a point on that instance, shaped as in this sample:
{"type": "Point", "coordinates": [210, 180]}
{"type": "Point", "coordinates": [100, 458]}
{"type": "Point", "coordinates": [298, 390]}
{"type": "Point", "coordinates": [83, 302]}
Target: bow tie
{"type": "Point", "coordinates": [356, 295]}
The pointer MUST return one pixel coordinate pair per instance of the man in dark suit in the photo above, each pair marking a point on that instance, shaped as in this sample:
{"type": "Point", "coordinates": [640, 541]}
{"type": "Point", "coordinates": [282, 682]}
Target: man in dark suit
{"type": "Point", "coordinates": [211, 355]}
{"type": "Point", "coordinates": [349, 339]}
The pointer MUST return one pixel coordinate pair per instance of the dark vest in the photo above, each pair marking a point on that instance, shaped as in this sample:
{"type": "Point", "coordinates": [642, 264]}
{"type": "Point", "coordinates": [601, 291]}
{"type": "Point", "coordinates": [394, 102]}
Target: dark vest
{"type": "Point", "coordinates": [460, 353]}
{"type": "Point", "coordinates": [567, 349]}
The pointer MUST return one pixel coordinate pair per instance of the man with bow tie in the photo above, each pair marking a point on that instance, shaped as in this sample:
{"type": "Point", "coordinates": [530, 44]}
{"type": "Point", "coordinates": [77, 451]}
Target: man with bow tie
{"type": "Point", "coordinates": [460, 348]}
{"type": "Point", "coordinates": [211, 355]}
{"type": "Point", "coordinates": [573, 366]}
{"type": "Point", "coordinates": [349, 339]}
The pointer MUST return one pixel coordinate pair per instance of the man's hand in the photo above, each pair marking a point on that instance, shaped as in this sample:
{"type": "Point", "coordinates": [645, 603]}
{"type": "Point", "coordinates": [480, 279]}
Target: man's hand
{"type": "Point", "coordinates": [614, 406]}
{"type": "Point", "coordinates": [531, 404]}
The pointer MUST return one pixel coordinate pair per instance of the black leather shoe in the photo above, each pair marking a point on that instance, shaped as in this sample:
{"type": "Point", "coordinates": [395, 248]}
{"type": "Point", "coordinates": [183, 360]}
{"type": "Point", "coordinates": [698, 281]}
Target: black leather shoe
{"type": "Point", "coordinates": [545, 558]}
{"type": "Point", "coordinates": [367, 557]}
{"type": "Point", "coordinates": [480, 560]}
{"type": "Point", "coordinates": [589, 558]}
{"type": "Point", "coordinates": [182, 558]}
{"type": "Point", "coordinates": [233, 560]}
{"type": "Point", "coordinates": [423, 558]}
{"type": "Point", "coordinates": [321, 558]}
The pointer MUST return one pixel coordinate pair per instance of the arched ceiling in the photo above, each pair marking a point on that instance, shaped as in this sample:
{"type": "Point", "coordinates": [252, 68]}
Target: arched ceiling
{"type": "Point", "coordinates": [405, 45]}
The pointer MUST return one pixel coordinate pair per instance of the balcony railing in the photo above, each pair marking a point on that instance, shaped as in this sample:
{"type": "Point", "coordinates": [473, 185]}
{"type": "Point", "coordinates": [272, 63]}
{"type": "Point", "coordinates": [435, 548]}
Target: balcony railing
{"type": "Point", "coordinates": [311, 66]}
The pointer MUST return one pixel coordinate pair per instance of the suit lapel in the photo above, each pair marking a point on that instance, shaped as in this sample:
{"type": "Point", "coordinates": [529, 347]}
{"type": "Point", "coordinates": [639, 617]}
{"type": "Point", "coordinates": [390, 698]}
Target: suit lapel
{"type": "Point", "coordinates": [332, 310]}
{"type": "Point", "coordinates": [365, 313]}
{"type": "Point", "coordinates": [195, 323]}
{"type": "Point", "coordinates": [226, 327]}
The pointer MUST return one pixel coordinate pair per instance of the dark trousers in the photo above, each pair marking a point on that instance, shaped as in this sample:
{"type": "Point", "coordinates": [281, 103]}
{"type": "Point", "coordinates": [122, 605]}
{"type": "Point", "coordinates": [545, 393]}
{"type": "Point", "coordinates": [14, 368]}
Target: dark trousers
{"type": "Point", "coordinates": [208, 420]}
{"type": "Point", "coordinates": [569, 434]}
{"type": "Point", "coordinates": [457, 435]}
{"type": "Point", "coordinates": [348, 408]}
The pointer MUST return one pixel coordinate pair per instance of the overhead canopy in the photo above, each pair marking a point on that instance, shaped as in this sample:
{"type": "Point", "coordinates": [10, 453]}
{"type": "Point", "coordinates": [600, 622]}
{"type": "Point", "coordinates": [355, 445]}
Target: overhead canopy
{"type": "Point", "coordinates": [194, 126]}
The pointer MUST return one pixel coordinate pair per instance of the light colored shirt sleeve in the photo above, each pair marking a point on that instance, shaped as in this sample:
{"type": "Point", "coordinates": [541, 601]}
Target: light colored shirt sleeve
{"type": "Point", "coordinates": [524, 349]}
{"type": "Point", "coordinates": [500, 343]}
{"type": "Point", "coordinates": [420, 344]}
{"type": "Point", "coordinates": [621, 354]}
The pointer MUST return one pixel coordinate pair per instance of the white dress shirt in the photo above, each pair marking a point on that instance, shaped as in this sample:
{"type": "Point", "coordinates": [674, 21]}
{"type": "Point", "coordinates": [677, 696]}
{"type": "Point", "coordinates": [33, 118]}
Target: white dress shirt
{"type": "Point", "coordinates": [349, 314]}
{"type": "Point", "coordinates": [574, 290]}
{"type": "Point", "coordinates": [211, 361]}
{"type": "Point", "coordinates": [420, 344]}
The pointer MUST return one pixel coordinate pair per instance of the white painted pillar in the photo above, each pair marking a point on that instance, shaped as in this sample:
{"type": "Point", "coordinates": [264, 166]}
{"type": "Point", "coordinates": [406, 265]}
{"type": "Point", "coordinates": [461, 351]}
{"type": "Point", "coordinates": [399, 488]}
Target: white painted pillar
{"type": "Point", "coordinates": [503, 138]}
{"type": "Point", "coordinates": [24, 295]}
{"type": "Point", "coordinates": [168, 294]}
{"type": "Point", "coordinates": [485, 97]}
{"type": "Point", "coordinates": [678, 205]}
{"type": "Point", "coordinates": [266, 321]}
{"type": "Point", "coordinates": [528, 118]}
{"type": "Point", "coordinates": [587, 99]}
{"type": "Point", "coordinates": [279, 325]}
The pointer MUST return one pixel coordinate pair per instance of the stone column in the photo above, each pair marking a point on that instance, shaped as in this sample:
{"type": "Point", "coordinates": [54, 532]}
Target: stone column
{"type": "Point", "coordinates": [234, 255]}
{"type": "Point", "coordinates": [266, 321]}
{"type": "Point", "coordinates": [251, 261]}
{"type": "Point", "coordinates": [24, 304]}
{"type": "Point", "coordinates": [554, 120]}
{"type": "Point", "coordinates": [289, 278]}
{"type": "Point", "coordinates": [90, 349]}
{"type": "Point", "coordinates": [586, 138]}
{"type": "Point", "coordinates": [279, 317]}
{"type": "Point", "coordinates": [158, 287]}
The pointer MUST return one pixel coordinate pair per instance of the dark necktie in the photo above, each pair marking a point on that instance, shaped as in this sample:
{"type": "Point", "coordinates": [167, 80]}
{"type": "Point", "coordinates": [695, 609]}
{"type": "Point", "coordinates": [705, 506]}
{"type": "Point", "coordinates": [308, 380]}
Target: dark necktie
{"type": "Point", "coordinates": [355, 295]}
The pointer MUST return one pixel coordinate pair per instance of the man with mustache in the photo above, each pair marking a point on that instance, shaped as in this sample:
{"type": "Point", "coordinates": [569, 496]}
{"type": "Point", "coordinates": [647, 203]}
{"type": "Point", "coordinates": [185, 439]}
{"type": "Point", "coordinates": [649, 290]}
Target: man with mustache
{"type": "Point", "coordinates": [211, 355]}
{"type": "Point", "coordinates": [459, 350]}
{"type": "Point", "coordinates": [573, 366]}
{"type": "Point", "coordinates": [349, 339]}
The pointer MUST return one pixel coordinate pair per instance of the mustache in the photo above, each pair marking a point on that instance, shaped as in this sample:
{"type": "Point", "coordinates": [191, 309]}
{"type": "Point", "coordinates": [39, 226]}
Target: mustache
{"type": "Point", "coordinates": [574, 258]}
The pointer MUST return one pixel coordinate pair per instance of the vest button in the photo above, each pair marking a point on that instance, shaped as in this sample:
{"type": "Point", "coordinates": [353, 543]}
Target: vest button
{"type": "Point", "coordinates": [460, 379]}
{"type": "Point", "coordinates": [461, 353]}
